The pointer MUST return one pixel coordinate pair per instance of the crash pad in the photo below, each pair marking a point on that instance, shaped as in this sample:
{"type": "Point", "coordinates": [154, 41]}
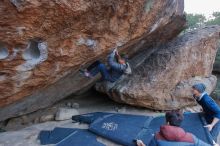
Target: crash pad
{"type": "Point", "coordinates": [68, 137]}
{"type": "Point", "coordinates": [89, 118]}
{"type": "Point", "coordinates": [124, 129]}
{"type": "Point", "coordinates": [80, 138]}
{"type": "Point", "coordinates": [54, 136]}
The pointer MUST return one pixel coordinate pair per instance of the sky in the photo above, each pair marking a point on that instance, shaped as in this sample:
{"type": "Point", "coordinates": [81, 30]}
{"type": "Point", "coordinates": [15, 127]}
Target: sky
{"type": "Point", "coordinates": [206, 7]}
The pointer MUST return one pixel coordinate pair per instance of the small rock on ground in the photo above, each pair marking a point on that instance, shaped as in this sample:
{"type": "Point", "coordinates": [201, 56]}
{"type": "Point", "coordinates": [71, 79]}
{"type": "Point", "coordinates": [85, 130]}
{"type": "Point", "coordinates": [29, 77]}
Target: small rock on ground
{"type": "Point", "coordinates": [65, 114]}
{"type": "Point", "coordinates": [75, 105]}
{"type": "Point", "coordinates": [46, 118]}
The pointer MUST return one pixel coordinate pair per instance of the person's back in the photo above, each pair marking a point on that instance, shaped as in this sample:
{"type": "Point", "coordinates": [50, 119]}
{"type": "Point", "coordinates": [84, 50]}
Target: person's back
{"type": "Point", "coordinates": [174, 133]}
{"type": "Point", "coordinates": [171, 134]}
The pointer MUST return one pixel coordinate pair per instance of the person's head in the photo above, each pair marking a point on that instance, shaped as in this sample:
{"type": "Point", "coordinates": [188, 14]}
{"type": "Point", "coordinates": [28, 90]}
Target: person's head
{"type": "Point", "coordinates": [174, 118]}
{"type": "Point", "coordinates": [197, 89]}
{"type": "Point", "coordinates": [121, 59]}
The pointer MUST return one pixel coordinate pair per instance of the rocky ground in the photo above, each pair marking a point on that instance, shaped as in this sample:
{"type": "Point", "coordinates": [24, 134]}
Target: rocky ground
{"type": "Point", "coordinates": [25, 129]}
{"type": "Point", "coordinates": [89, 102]}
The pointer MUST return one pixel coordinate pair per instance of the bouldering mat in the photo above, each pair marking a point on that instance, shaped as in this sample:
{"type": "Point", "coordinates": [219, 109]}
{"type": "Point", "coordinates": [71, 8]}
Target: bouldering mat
{"type": "Point", "coordinates": [124, 129]}
{"type": "Point", "coordinates": [80, 138]}
{"type": "Point", "coordinates": [54, 136]}
{"type": "Point", "coordinates": [68, 137]}
{"type": "Point", "coordinates": [90, 117]}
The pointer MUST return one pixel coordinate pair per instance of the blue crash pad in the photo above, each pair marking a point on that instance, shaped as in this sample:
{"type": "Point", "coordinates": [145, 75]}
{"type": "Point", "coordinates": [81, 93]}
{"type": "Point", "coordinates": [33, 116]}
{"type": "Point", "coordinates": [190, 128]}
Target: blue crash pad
{"type": "Point", "coordinates": [123, 129]}
{"type": "Point", "coordinates": [80, 138]}
{"type": "Point", "coordinates": [68, 137]}
{"type": "Point", "coordinates": [54, 136]}
{"type": "Point", "coordinates": [90, 117]}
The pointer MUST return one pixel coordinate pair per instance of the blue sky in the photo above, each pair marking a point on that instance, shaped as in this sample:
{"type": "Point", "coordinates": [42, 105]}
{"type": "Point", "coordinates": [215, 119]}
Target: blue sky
{"type": "Point", "coordinates": [206, 7]}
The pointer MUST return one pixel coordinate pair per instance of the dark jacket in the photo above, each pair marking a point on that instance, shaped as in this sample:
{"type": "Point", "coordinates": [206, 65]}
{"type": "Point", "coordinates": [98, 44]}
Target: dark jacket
{"type": "Point", "coordinates": [116, 69]}
{"type": "Point", "coordinates": [210, 107]}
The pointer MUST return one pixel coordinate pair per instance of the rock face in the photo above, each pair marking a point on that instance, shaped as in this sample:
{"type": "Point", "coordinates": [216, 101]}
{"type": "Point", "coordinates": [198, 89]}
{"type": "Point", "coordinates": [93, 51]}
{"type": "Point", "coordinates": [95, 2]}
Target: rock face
{"type": "Point", "coordinates": [43, 44]}
{"type": "Point", "coordinates": [216, 92]}
{"type": "Point", "coordinates": [216, 67]}
{"type": "Point", "coordinates": [216, 70]}
{"type": "Point", "coordinates": [164, 79]}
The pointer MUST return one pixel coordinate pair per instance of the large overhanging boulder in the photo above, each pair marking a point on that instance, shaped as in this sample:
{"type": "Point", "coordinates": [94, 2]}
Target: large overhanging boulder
{"type": "Point", "coordinates": [163, 80]}
{"type": "Point", "coordinates": [43, 44]}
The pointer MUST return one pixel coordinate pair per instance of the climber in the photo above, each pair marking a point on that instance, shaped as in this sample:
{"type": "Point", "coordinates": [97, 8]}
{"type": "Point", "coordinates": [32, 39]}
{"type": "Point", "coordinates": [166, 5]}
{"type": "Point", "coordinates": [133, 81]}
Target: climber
{"type": "Point", "coordinates": [210, 108]}
{"type": "Point", "coordinates": [118, 67]}
{"type": "Point", "coordinates": [171, 134]}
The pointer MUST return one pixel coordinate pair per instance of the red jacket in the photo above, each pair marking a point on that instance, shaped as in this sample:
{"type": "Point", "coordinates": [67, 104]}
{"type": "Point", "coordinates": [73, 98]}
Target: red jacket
{"type": "Point", "coordinates": [173, 133]}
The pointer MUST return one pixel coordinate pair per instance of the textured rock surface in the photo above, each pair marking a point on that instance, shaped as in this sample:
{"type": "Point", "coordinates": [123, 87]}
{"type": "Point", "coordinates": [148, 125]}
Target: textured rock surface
{"type": "Point", "coordinates": [44, 43]}
{"type": "Point", "coordinates": [216, 67]}
{"type": "Point", "coordinates": [164, 79]}
{"type": "Point", "coordinates": [216, 92]}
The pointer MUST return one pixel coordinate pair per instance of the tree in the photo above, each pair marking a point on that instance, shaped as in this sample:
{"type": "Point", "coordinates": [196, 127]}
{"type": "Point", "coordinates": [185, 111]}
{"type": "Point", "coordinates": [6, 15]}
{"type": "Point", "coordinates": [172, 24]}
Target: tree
{"type": "Point", "coordinates": [215, 20]}
{"type": "Point", "coordinates": [195, 20]}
